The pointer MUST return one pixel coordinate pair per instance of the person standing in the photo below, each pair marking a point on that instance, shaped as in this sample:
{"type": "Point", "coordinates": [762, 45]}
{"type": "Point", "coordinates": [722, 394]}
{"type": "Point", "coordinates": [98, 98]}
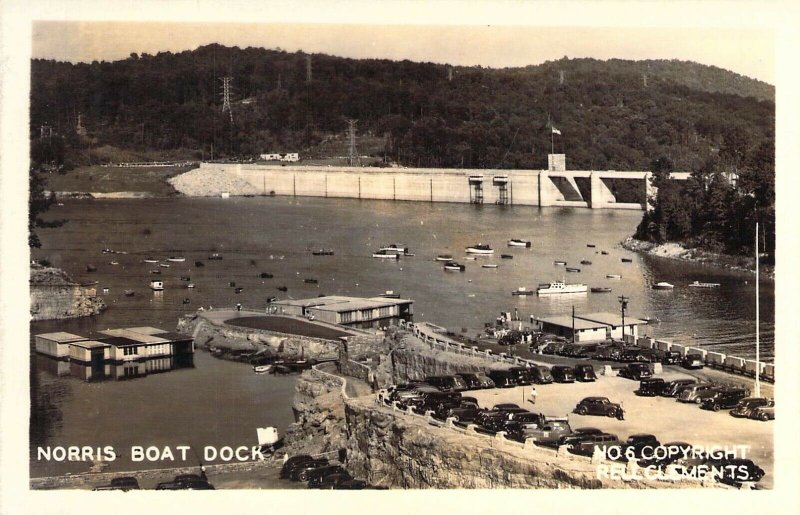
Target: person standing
{"type": "Point", "coordinates": [532, 395]}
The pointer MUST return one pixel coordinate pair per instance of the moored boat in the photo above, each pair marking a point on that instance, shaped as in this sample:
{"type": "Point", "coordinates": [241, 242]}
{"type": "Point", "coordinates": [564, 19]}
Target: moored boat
{"type": "Point", "coordinates": [310, 281]}
{"type": "Point", "coordinates": [600, 289]}
{"type": "Point", "coordinates": [262, 369]}
{"type": "Point", "coordinates": [444, 257]}
{"type": "Point", "coordinates": [591, 245]}
{"type": "Point", "coordinates": [586, 262]}
{"type": "Point", "coordinates": [396, 248]}
{"type": "Point", "coordinates": [604, 252]}
{"type": "Point", "coordinates": [163, 265]}
{"type": "Point", "coordinates": [454, 267]}
{"type": "Point", "coordinates": [176, 259]}
{"type": "Point", "coordinates": [557, 287]}
{"type": "Point", "coordinates": [559, 263]}
{"type": "Point", "coordinates": [569, 269]}
{"type": "Point", "coordinates": [390, 294]}
{"type": "Point", "coordinates": [698, 284]}
{"type": "Point", "coordinates": [489, 265]}
{"type": "Point", "coordinates": [519, 243]}
{"type": "Point", "coordinates": [157, 285]}
{"type": "Point", "coordinates": [506, 256]}
{"type": "Point", "coordinates": [150, 260]}
{"type": "Point", "coordinates": [613, 276]}
{"type": "Point", "coordinates": [322, 252]}
{"type": "Point", "coordinates": [663, 285]}
{"type": "Point", "coordinates": [480, 248]}
{"type": "Point", "coordinates": [129, 293]}
{"type": "Point", "coordinates": [522, 291]}
{"type": "Point", "coordinates": [114, 263]}
{"type": "Point", "coordinates": [190, 285]}
{"type": "Point", "coordinates": [91, 268]}
{"type": "Point", "coordinates": [385, 254]}
{"type": "Point", "coordinates": [215, 256]}
{"type": "Point", "coordinates": [627, 260]}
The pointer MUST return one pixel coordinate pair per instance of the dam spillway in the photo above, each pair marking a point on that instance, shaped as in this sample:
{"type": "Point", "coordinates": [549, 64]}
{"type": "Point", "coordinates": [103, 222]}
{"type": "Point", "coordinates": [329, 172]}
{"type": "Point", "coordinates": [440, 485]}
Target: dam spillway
{"type": "Point", "coordinates": [543, 188]}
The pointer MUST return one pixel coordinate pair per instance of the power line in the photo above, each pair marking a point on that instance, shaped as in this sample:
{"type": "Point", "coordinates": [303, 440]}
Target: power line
{"type": "Point", "coordinates": [352, 156]}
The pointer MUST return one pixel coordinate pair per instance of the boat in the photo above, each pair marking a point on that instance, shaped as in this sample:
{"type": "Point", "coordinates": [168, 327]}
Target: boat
{"type": "Point", "coordinates": [262, 369]}
{"type": "Point", "coordinates": [322, 252]}
{"type": "Point", "coordinates": [586, 262]}
{"type": "Point", "coordinates": [271, 299]}
{"type": "Point", "coordinates": [444, 257]}
{"type": "Point", "coordinates": [480, 249]}
{"type": "Point", "coordinates": [199, 264]}
{"type": "Point", "coordinates": [522, 291]}
{"type": "Point", "coordinates": [129, 293]}
{"type": "Point", "coordinates": [569, 269]}
{"type": "Point", "coordinates": [396, 248]}
{"type": "Point", "coordinates": [613, 276]}
{"type": "Point", "coordinates": [471, 258]}
{"type": "Point", "coordinates": [389, 294]}
{"type": "Point", "coordinates": [155, 271]}
{"type": "Point", "coordinates": [560, 263]}
{"type": "Point", "coordinates": [627, 260]}
{"type": "Point", "coordinates": [265, 275]}
{"type": "Point", "coordinates": [91, 268]}
{"type": "Point", "coordinates": [185, 278]}
{"type": "Point", "coordinates": [186, 300]}
{"type": "Point", "coordinates": [176, 259]}
{"type": "Point", "coordinates": [238, 289]}
{"type": "Point", "coordinates": [601, 289]}
{"type": "Point", "coordinates": [114, 263]}
{"type": "Point", "coordinates": [519, 243]}
{"type": "Point", "coordinates": [385, 254]}
{"type": "Point", "coordinates": [163, 265]}
{"type": "Point", "coordinates": [651, 320]}
{"type": "Point", "coordinates": [157, 285]}
{"type": "Point", "coordinates": [215, 257]}
{"type": "Point", "coordinates": [604, 252]}
{"type": "Point", "coordinates": [310, 281]}
{"type": "Point", "coordinates": [663, 285]}
{"type": "Point", "coordinates": [232, 284]}
{"type": "Point", "coordinates": [506, 256]}
{"type": "Point", "coordinates": [591, 245]}
{"type": "Point", "coordinates": [190, 285]}
{"type": "Point", "coordinates": [489, 265]}
{"type": "Point", "coordinates": [558, 287]}
{"type": "Point", "coordinates": [150, 260]}
{"type": "Point", "coordinates": [453, 266]}
{"type": "Point", "coordinates": [282, 288]}
{"type": "Point", "coordinates": [698, 284]}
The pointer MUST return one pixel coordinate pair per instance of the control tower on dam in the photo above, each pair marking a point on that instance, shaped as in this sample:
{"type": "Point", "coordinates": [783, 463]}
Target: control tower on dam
{"type": "Point", "coordinates": [555, 187]}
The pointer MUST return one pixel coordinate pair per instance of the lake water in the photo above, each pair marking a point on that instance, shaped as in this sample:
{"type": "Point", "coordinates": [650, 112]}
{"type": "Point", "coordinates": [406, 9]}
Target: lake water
{"type": "Point", "coordinates": [218, 402]}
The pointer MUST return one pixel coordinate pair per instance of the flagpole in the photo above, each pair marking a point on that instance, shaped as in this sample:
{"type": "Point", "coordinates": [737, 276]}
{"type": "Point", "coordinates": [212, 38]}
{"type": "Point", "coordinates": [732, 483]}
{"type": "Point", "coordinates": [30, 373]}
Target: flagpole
{"type": "Point", "coordinates": [552, 149]}
{"type": "Point", "coordinates": [758, 349]}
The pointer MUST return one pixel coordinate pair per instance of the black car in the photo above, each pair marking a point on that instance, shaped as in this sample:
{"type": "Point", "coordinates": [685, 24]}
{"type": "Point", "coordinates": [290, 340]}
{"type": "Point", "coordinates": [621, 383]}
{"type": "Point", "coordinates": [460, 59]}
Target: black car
{"type": "Point", "coordinates": [318, 476]}
{"type": "Point", "coordinates": [471, 381]}
{"type": "Point", "coordinates": [460, 413]}
{"type": "Point", "coordinates": [578, 435]}
{"type": "Point", "coordinates": [196, 484]}
{"type": "Point", "coordinates": [293, 462]}
{"type": "Point", "coordinates": [724, 399]}
{"type": "Point", "coordinates": [496, 410]}
{"type": "Point", "coordinates": [692, 361]}
{"type": "Point", "coordinates": [671, 357]}
{"type": "Point", "coordinates": [300, 471]}
{"type": "Point", "coordinates": [541, 375]}
{"type": "Point", "coordinates": [562, 374]}
{"type": "Point", "coordinates": [637, 446]}
{"type": "Point", "coordinates": [330, 481]}
{"type": "Point", "coordinates": [503, 378]}
{"type": "Point", "coordinates": [447, 383]}
{"type": "Point", "coordinates": [651, 387]}
{"type": "Point", "coordinates": [735, 471]}
{"type": "Point", "coordinates": [121, 483]}
{"type": "Point", "coordinates": [522, 375]}
{"type": "Point", "coordinates": [496, 420]}
{"type": "Point", "coordinates": [598, 406]}
{"type": "Point", "coordinates": [636, 371]}
{"type": "Point", "coordinates": [587, 446]}
{"type": "Point", "coordinates": [632, 356]}
{"type": "Point", "coordinates": [585, 373]}
{"type": "Point", "coordinates": [672, 388]}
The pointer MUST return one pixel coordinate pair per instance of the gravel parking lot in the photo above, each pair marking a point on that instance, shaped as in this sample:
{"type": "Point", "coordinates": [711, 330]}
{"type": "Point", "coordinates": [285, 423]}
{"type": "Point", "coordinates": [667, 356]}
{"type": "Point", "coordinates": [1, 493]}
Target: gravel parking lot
{"type": "Point", "coordinates": [664, 417]}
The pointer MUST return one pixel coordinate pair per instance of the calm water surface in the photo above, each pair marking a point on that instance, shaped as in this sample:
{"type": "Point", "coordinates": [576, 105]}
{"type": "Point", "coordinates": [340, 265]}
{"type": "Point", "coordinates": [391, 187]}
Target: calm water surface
{"type": "Point", "coordinates": [221, 403]}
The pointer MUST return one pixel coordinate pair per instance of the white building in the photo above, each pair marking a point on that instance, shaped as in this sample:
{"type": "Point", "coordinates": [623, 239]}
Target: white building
{"type": "Point", "coordinates": [291, 157]}
{"type": "Point", "coordinates": [589, 327]}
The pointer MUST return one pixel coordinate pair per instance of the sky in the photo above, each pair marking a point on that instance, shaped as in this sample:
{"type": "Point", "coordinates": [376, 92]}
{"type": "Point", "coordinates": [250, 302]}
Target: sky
{"type": "Point", "coordinates": [747, 51]}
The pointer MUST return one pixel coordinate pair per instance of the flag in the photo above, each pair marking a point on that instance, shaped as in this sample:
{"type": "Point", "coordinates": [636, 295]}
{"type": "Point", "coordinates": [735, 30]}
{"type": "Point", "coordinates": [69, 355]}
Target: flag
{"type": "Point", "coordinates": [555, 131]}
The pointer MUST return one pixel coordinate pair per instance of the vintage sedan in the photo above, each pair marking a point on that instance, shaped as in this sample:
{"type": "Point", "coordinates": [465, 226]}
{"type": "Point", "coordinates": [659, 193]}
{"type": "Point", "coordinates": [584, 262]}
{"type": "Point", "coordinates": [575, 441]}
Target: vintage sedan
{"type": "Point", "coordinates": [598, 406]}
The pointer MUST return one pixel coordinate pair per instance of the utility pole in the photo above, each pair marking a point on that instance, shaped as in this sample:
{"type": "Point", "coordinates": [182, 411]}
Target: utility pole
{"type": "Point", "coordinates": [623, 302]}
{"type": "Point", "coordinates": [226, 96]}
{"type": "Point", "coordinates": [352, 155]}
{"type": "Point", "coordinates": [573, 324]}
{"type": "Point", "coordinates": [758, 347]}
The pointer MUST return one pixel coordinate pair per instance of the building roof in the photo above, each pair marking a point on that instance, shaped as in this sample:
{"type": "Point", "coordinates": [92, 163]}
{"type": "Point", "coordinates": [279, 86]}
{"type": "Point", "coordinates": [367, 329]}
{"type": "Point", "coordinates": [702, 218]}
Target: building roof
{"type": "Point", "coordinates": [90, 344]}
{"type": "Point", "coordinates": [139, 338]}
{"type": "Point", "coordinates": [566, 321]}
{"type": "Point", "coordinates": [607, 318]}
{"type": "Point", "coordinates": [338, 303]}
{"type": "Point", "coordinates": [61, 337]}
{"type": "Point", "coordinates": [147, 330]}
{"type": "Point", "coordinates": [120, 341]}
{"type": "Point", "coordinates": [175, 337]}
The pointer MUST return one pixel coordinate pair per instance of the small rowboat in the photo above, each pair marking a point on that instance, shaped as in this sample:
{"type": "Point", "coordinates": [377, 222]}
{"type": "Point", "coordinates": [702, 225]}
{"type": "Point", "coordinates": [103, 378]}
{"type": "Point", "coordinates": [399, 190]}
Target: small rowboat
{"type": "Point", "coordinates": [601, 289]}
{"type": "Point", "coordinates": [559, 263]}
{"type": "Point", "coordinates": [663, 285]}
{"type": "Point", "coordinates": [573, 269]}
{"type": "Point", "coordinates": [488, 265]}
{"type": "Point", "coordinates": [613, 276]}
{"type": "Point", "coordinates": [262, 369]}
{"type": "Point", "coordinates": [627, 260]}
{"type": "Point", "coordinates": [163, 265]}
{"type": "Point", "coordinates": [506, 256]}
{"type": "Point", "coordinates": [444, 257]}
{"type": "Point", "coordinates": [150, 260]}
{"type": "Point", "coordinates": [519, 243]}
{"type": "Point", "coordinates": [698, 284]}
{"type": "Point", "coordinates": [454, 267]}
{"type": "Point", "coordinates": [176, 259]}
{"type": "Point", "coordinates": [591, 245]}
{"type": "Point", "coordinates": [480, 249]}
{"type": "Point", "coordinates": [190, 285]}
{"type": "Point", "coordinates": [586, 262]}
{"type": "Point", "coordinates": [604, 252]}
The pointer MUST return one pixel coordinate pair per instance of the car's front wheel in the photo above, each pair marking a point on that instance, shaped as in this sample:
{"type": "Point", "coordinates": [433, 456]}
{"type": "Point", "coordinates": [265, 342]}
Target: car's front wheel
{"type": "Point", "coordinates": [764, 417]}
{"type": "Point", "coordinates": [715, 407]}
{"type": "Point", "coordinates": [611, 413]}
{"type": "Point", "coordinates": [582, 410]}
{"type": "Point", "coordinates": [697, 400]}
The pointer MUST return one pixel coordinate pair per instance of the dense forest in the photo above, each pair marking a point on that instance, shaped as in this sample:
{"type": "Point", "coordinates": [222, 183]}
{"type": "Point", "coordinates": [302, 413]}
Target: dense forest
{"type": "Point", "coordinates": [616, 114]}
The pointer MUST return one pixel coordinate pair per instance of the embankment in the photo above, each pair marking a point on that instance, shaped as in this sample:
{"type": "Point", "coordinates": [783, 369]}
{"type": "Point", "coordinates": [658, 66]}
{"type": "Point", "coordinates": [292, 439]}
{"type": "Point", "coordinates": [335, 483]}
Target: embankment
{"type": "Point", "coordinates": [55, 296]}
{"type": "Point", "coordinates": [673, 250]}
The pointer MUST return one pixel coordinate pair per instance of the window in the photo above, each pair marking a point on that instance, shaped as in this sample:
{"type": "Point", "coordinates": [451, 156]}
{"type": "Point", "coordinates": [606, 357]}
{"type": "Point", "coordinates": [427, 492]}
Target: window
{"type": "Point", "coordinates": [130, 351]}
{"type": "Point", "coordinates": [366, 314]}
{"type": "Point", "coordinates": [385, 311]}
{"type": "Point", "coordinates": [347, 316]}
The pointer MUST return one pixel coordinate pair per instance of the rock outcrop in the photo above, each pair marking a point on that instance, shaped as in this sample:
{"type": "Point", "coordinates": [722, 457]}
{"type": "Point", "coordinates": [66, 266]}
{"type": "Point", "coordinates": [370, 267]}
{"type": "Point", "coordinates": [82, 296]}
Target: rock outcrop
{"type": "Point", "coordinates": [54, 295]}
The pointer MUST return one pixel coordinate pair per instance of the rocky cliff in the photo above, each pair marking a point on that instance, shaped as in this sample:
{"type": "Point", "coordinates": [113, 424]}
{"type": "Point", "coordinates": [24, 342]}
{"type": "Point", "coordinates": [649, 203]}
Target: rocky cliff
{"type": "Point", "coordinates": [54, 295]}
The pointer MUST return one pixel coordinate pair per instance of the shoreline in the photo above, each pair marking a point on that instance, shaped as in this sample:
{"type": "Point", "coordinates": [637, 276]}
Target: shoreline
{"type": "Point", "coordinates": [678, 252]}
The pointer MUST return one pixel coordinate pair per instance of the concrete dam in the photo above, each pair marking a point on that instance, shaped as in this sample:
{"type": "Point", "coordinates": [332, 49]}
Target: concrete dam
{"type": "Point", "coordinates": [543, 188]}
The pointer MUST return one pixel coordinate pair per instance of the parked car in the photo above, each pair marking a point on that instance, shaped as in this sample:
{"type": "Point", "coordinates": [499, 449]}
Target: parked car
{"type": "Point", "coordinates": [484, 414]}
{"type": "Point", "coordinates": [633, 356]}
{"type": "Point", "coordinates": [471, 380]}
{"type": "Point", "coordinates": [578, 434]}
{"type": "Point", "coordinates": [671, 357]}
{"type": "Point", "coordinates": [637, 445]}
{"type": "Point", "coordinates": [547, 433]}
{"type": "Point", "coordinates": [459, 413]}
{"type": "Point", "coordinates": [636, 371]}
{"type": "Point", "coordinates": [607, 353]}
{"type": "Point", "coordinates": [300, 472]}
{"type": "Point", "coordinates": [503, 378]}
{"type": "Point", "coordinates": [672, 452]}
{"type": "Point", "coordinates": [486, 381]}
{"type": "Point", "coordinates": [293, 462]}
{"type": "Point", "coordinates": [690, 393]}
{"type": "Point", "coordinates": [447, 383]}
{"type": "Point", "coordinates": [724, 399]}
{"type": "Point", "coordinates": [763, 413]}
{"type": "Point", "coordinates": [496, 420]}
{"type": "Point", "coordinates": [598, 406]}
{"type": "Point", "coordinates": [562, 374]}
{"type": "Point", "coordinates": [541, 375]}
{"type": "Point", "coordinates": [194, 484]}
{"type": "Point", "coordinates": [528, 417]}
{"type": "Point", "coordinates": [318, 474]}
{"type": "Point", "coordinates": [120, 483]}
{"type": "Point", "coordinates": [692, 361]}
{"type": "Point", "coordinates": [651, 387]}
{"type": "Point", "coordinates": [736, 471]}
{"type": "Point", "coordinates": [673, 388]}
{"type": "Point", "coordinates": [522, 375]}
{"type": "Point", "coordinates": [748, 404]}
{"type": "Point", "coordinates": [587, 446]}
{"type": "Point", "coordinates": [584, 373]}
{"type": "Point", "coordinates": [404, 397]}
{"type": "Point", "coordinates": [330, 481]}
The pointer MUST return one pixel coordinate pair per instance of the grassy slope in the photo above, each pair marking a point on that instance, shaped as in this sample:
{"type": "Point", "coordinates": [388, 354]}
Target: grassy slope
{"type": "Point", "coordinates": [109, 179]}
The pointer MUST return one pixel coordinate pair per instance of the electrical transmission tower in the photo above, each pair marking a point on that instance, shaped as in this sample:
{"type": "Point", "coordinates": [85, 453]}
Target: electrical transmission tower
{"type": "Point", "coordinates": [226, 96]}
{"type": "Point", "coordinates": [352, 156]}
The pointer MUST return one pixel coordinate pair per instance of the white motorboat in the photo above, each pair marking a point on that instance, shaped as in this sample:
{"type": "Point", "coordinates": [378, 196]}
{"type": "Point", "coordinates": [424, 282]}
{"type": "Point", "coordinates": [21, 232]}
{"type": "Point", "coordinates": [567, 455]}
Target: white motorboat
{"type": "Point", "coordinates": [176, 259]}
{"type": "Point", "coordinates": [519, 243]}
{"type": "Point", "coordinates": [663, 285]}
{"type": "Point", "coordinates": [698, 284]}
{"type": "Point", "coordinates": [558, 287]}
{"type": "Point", "coordinates": [157, 285]}
{"type": "Point", "coordinates": [480, 249]}
{"type": "Point", "coordinates": [396, 248]}
{"type": "Point", "coordinates": [454, 267]}
{"type": "Point", "coordinates": [262, 369]}
{"type": "Point", "coordinates": [489, 265]}
{"type": "Point", "coordinates": [385, 254]}
{"type": "Point", "coordinates": [190, 285]}
{"type": "Point", "coordinates": [150, 260]}
{"type": "Point", "coordinates": [163, 265]}
{"type": "Point", "coordinates": [613, 276]}
{"type": "Point", "coordinates": [560, 263]}
{"type": "Point", "coordinates": [444, 257]}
